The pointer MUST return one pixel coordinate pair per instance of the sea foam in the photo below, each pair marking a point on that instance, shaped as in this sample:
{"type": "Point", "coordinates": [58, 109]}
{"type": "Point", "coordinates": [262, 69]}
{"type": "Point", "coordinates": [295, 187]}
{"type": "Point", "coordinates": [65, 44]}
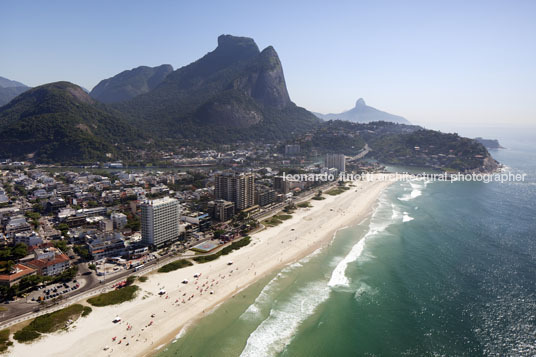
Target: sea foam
{"type": "Point", "coordinates": [265, 296]}
{"type": "Point", "coordinates": [379, 222]}
{"type": "Point", "coordinates": [406, 217]}
{"type": "Point", "coordinates": [416, 190]}
{"type": "Point", "coordinates": [277, 330]}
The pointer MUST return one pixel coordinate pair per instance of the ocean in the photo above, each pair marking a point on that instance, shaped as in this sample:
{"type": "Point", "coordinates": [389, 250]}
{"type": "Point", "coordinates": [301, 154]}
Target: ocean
{"type": "Point", "coordinates": [439, 269]}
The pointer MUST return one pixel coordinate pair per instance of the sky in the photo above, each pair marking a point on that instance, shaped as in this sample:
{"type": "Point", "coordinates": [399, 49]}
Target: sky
{"type": "Point", "coordinates": [441, 64]}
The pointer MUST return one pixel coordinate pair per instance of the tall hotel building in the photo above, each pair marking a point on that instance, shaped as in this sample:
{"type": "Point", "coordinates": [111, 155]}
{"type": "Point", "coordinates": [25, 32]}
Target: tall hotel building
{"type": "Point", "coordinates": [160, 221]}
{"type": "Point", "coordinates": [237, 188]}
{"type": "Point", "coordinates": [336, 161]}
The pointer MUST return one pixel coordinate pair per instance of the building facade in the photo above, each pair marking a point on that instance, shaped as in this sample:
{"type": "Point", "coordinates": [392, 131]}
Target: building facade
{"type": "Point", "coordinates": [237, 188]}
{"type": "Point", "coordinates": [119, 220]}
{"type": "Point", "coordinates": [335, 161]}
{"type": "Point", "coordinates": [30, 239]}
{"type": "Point", "coordinates": [160, 221]}
{"type": "Point", "coordinates": [49, 262]}
{"type": "Point", "coordinates": [107, 245]}
{"type": "Point", "coordinates": [222, 210]}
{"type": "Point", "coordinates": [292, 149]}
{"type": "Point", "coordinates": [281, 185]}
{"type": "Point", "coordinates": [18, 272]}
{"type": "Point", "coordinates": [264, 196]}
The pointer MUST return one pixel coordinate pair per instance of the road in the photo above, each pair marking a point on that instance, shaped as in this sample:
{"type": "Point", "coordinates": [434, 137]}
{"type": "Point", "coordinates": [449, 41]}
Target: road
{"type": "Point", "coordinates": [20, 310]}
{"type": "Point", "coordinates": [362, 154]}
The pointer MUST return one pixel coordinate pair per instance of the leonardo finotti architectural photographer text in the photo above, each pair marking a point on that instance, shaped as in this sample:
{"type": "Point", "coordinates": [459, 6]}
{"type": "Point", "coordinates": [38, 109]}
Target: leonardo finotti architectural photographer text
{"type": "Point", "coordinates": [405, 176]}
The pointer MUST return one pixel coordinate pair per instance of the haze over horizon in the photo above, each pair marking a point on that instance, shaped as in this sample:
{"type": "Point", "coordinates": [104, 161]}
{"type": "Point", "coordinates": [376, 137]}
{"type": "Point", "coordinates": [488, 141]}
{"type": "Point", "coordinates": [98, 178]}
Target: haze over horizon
{"type": "Point", "coordinates": [445, 66]}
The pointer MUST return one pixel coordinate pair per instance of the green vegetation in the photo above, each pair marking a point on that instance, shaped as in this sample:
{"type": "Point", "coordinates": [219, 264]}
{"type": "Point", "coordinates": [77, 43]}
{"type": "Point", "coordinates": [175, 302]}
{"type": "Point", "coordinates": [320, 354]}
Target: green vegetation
{"type": "Point", "coordinates": [177, 264]}
{"type": "Point", "coordinates": [49, 323]}
{"type": "Point", "coordinates": [318, 196]}
{"type": "Point", "coordinates": [131, 83]}
{"type": "Point", "coordinates": [305, 204]}
{"type": "Point", "coordinates": [224, 97]}
{"type": "Point", "coordinates": [4, 340]}
{"type": "Point", "coordinates": [34, 218]}
{"type": "Point", "coordinates": [143, 279]}
{"type": "Point", "coordinates": [133, 222]}
{"type": "Point", "coordinates": [82, 251]}
{"type": "Point", "coordinates": [61, 245]}
{"type": "Point", "coordinates": [206, 102]}
{"type": "Point", "coordinates": [428, 148]}
{"type": "Point", "coordinates": [290, 208]}
{"type": "Point", "coordinates": [207, 258]}
{"type": "Point", "coordinates": [59, 122]}
{"type": "Point", "coordinates": [29, 283]}
{"type": "Point", "coordinates": [233, 246]}
{"type": "Point", "coordinates": [276, 219]}
{"type": "Point", "coordinates": [86, 311]}
{"type": "Point", "coordinates": [114, 297]}
{"type": "Point", "coordinates": [337, 190]}
{"type": "Point", "coordinates": [20, 250]}
{"type": "Point", "coordinates": [63, 228]}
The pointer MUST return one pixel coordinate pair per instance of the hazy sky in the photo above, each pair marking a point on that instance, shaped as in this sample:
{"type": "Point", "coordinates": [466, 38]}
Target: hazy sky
{"type": "Point", "coordinates": [438, 63]}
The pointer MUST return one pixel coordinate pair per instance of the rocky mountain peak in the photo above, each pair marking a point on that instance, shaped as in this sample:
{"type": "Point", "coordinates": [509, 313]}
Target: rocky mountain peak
{"type": "Point", "coordinates": [360, 103]}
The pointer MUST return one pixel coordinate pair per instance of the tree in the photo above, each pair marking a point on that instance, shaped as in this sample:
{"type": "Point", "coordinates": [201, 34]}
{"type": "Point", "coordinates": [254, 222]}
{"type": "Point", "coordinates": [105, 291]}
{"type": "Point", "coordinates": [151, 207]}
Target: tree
{"type": "Point", "coordinates": [63, 228]}
{"type": "Point", "coordinates": [19, 251]}
{"type": "Point", "coordinates": [9, 266]}
{"type": "Point", "coordinates": [82, 251]}
{"type": "Point", "coordinates": [133, 222]}
{"type": "Point", "coordinates": [61, 245]}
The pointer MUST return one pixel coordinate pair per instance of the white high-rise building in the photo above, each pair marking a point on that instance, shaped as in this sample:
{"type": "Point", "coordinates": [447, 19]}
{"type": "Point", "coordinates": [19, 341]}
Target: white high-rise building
{"type": "Point", "coordinates": [160, 221]}
{"type": "Point", "coordinates": [336, 161]}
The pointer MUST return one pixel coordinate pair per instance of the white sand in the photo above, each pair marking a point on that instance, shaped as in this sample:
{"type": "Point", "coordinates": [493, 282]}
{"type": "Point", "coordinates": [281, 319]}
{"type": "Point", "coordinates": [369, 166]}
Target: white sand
{"type": "Point", "coordinates": [271, 249]}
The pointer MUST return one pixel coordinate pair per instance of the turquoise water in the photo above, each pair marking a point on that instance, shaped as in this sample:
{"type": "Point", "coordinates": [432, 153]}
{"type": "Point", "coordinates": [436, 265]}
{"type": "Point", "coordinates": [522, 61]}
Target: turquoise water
{"type": "Point", "coordinates": [439, 269]}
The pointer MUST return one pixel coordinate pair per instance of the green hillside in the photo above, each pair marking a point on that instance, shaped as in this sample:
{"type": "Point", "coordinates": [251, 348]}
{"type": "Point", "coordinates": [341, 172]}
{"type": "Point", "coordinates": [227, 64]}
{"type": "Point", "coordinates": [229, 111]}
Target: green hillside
{"type": "Point", "coordinates": [59, 122]}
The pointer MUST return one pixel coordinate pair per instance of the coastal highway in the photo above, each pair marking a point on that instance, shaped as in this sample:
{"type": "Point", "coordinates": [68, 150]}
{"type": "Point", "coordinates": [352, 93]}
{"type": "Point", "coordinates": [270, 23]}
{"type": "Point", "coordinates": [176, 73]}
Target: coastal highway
{"type": "Point", "coordinates": [27, 310]}
{"type": "Point", "coordinates": [20, 310]}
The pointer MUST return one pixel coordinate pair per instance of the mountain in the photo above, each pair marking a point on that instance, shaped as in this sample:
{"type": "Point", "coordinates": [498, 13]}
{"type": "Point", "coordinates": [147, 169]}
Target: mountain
{"type": "Point", "coordinates": [129, 84]}
{"type": "Point", "coordinates": [7, 83]}
{"type": "Point", "coordinates": [490, 143]}
{"type": "Point", "coordinates": [234, 92]}
{"type": "Point", "coordinates": [10, 89]}
{"type": "Point", "coordinates": [59, 122]}
{"type": "Point", "coordinates": [430, 148]}
{"type": "Point", "coordinates": [362, 113]}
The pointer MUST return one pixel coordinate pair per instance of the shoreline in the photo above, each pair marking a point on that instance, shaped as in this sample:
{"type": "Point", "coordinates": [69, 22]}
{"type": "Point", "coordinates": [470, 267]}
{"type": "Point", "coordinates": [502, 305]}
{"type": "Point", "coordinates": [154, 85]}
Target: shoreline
{"type": "Point", "coordinates": [270, 250]}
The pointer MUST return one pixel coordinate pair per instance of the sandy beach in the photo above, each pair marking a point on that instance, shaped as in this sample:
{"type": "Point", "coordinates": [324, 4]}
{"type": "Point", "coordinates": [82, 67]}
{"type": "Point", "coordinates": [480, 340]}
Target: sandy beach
{"type": "Point", "coordinates": [151, 320]}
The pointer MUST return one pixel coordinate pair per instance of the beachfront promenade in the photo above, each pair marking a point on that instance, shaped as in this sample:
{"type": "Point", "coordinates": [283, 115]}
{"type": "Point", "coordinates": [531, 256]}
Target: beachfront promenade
{"type": "Point", "coordinates": [27, 311]}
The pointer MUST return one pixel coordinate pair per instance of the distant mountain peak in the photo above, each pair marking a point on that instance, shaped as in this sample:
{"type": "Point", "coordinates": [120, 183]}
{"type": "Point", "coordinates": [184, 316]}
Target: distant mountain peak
{"type": "Point", "coordinates": [8, 83]}
{"type": "Point", "coordinates": [233, 86]}
{"type": "Point", "coordinates": [236, 42]}
{"type": "Point", "coordinates": [360, 103]}
{"type": "Point", "coordinates": [362, 113]}
{"type": "Point", "coordinates": [10, 89]}
{"type": "Point", "coordinates": [130, 83]}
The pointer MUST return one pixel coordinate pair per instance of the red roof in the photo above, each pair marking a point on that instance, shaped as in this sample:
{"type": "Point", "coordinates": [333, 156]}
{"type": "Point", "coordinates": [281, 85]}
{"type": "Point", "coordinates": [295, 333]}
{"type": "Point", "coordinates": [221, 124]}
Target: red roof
{"type": "Point", "coordinates": [43, 263]}
{"type": "Point", "coordinates": [22, 270]}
